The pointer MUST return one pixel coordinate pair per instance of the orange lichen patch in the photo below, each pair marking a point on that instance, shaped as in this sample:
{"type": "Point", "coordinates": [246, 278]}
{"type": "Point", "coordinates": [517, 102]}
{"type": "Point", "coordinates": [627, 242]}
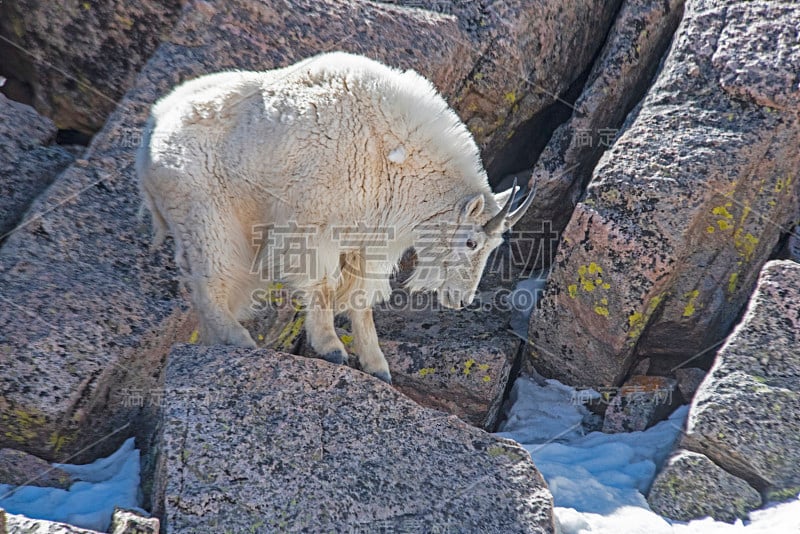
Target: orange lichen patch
{"type": "Point", "coordinates": [639, 384]}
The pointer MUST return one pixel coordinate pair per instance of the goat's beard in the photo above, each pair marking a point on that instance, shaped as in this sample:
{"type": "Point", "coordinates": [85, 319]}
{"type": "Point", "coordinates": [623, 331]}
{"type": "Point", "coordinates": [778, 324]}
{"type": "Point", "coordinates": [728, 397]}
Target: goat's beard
{"type": "Point", "coordinates": [424, 279]}
{"type": "Point", "coordinates": [435, 280]}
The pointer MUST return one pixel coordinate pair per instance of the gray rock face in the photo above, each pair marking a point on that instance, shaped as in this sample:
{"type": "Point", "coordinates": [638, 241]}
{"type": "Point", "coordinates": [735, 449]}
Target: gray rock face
{"type": "Point", "coordinates": [528, 56]}
{"type": "Point", "coordinates": [459, 362]}
{"type": "Point", "coordinates": [746, 415]}
{"type": "Point", "coordinates": [691, 486]}
{"type": "Point", "coordinates": [689, 379]}
{"type": "Point", "coordinates": [638, 38]}
{"type": "Point", "coordinates": [516, 59]}
{"type": "Point", "coordinates": [456, 361]}
{"type": "Point", "coordinates": [267, 441]}
{"type": "Point", "coordinates": [758, 56]}
{"type": "Point", "coordinates": [640, 403]}
{"type": "Point", "coordinates": [743, 425]}
{"type": "Point", "coordinates": [81, 57]}
{"type": "Point", "coordinates": [28, 163]}
{"type": "Point", "coordinates": [22, 469]}
{"type": "Point", "coordinates": [661, 255]}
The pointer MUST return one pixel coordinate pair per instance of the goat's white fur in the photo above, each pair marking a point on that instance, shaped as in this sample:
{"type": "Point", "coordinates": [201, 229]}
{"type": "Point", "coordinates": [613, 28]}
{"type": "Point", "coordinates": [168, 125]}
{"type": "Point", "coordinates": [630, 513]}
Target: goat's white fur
{"type": "Point", "coordinates": [334, 141]}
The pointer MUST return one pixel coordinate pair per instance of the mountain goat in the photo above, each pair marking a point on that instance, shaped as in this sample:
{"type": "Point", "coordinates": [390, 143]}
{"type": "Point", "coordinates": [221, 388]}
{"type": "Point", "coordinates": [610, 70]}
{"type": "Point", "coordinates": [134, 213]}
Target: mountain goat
{"type": "Point", "coordinates": [318, 175]}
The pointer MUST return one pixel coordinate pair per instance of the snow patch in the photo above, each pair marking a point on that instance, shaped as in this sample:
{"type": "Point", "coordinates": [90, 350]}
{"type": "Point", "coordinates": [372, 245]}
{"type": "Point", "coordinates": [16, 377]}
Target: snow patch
{"type": "Point", "coordinates": [525, 297]}
{"type": "Point", "coordinates": [599, 481]}
{"type": "Point", "coordinates": [89, 502]}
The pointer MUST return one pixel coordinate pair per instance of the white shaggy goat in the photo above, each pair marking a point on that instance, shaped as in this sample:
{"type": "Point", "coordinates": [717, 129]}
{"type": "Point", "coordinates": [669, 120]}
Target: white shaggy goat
{"type": "Point", "coordinates": [319, 175]}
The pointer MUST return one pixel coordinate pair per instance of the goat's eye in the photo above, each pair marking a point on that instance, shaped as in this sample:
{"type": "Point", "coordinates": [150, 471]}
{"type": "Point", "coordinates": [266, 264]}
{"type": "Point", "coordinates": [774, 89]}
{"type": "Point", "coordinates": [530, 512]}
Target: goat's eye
{"type": "Point", "coordinates": [472, 244]}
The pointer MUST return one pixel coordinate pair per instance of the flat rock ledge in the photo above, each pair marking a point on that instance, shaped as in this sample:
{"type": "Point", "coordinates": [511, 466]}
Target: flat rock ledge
{"type": "Point", "coordinates": [460, 361]}
{"type": "Point", "coordinates": [261, 441]}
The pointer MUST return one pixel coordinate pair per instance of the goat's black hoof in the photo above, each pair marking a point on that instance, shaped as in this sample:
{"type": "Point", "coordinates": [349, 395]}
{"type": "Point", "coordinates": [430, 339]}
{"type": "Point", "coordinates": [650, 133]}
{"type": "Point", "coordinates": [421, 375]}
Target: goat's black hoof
{"type": "Point", "coordinates": [383, 375]}
{"type": "Point", "coordinates": [335, 356]}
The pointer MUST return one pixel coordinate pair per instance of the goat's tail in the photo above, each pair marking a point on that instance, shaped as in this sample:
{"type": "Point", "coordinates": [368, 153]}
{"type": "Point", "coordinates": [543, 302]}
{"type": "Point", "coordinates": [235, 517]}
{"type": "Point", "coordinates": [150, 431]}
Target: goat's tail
{"type": "Point", "coordinates": [143, 167]}
{"type": "Point", "coordinates": [158, 221]}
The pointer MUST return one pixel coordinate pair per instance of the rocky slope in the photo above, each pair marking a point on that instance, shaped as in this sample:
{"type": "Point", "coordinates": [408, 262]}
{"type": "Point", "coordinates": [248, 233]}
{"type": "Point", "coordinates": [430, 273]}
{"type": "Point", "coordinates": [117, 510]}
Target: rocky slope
{"type": "Point", "coordinates": [673, 179]}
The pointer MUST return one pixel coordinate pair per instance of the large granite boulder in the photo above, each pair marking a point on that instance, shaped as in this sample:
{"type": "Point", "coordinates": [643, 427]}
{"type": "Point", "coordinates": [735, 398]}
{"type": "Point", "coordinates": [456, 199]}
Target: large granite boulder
{"type": "Point", "coordinates": [458, 362]}
{"type": "Point", "coordinates": [682, 212]}
{"type": "Point", "coordinates": [619, 78]}
{"type": "Point", "coordinates": [746, 415]}
{"type": "Point", "coordinates": [499, 65]}
{"type": "Point", "coordinates": [263, 441]}
{"type": "Point", "coordinates": [78, 58]}
{"type": "Point", "coordinates": [524, 57]}
{"type": "Point", "coordinates": [28, 160]}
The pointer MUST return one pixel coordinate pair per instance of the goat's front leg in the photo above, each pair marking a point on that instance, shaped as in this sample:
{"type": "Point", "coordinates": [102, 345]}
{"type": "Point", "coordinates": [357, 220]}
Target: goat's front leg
{"type": "Point", "coordinates": [365, 344]}
{"type": "Point", "coordinates": [319, 325]}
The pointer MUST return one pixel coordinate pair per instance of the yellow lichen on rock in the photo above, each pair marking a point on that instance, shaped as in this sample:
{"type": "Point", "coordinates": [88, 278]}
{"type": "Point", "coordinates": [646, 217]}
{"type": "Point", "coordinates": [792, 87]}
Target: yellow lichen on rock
{"type": "Point", "coordinates": [56, 441]}
{"type": "Point", "coordinates": [22, 426]}
{"type": "Point", "coordinates": [573, 290]}
{"type": "Point", "coordinates": [638, 320]}
{"type": "Point", "coordinates": [590, 279]}
{"type": "Point", "coordinates": [468, 366]}
{"type": "Point", "coordinates": [732, 280]}
{"type": "Point", "coordinates": [745, 243]}
{"type": "Point", "coordinates": [290, 332]}
{"type": "Point", "coordinates": [691, 306]}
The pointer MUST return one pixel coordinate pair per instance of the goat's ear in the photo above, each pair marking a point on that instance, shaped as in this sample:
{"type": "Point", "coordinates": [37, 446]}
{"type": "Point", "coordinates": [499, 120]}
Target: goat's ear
{"type": "Point", "coordinates": [473, 207]}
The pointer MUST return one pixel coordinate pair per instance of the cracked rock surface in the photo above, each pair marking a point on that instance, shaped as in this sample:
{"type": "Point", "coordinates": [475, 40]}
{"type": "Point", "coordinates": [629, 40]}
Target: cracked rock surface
{"type": "Point", "coordinates": [683, 210]}
{"type": "Point", "coordinates": [745, 417]}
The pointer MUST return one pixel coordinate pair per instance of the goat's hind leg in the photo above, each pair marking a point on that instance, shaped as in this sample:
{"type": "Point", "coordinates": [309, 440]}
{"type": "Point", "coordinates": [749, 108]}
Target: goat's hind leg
{"type": "Point", "coordinates": [218, 325]}
{"type": "Point", "coordinates": [217, 272]}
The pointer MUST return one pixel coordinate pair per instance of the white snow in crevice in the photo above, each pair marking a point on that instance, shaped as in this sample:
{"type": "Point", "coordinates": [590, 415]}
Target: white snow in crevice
{"type": "Point", "coordinates": [90, 500]}
{"type": "Point", "coordinates": [599, 481]}
{"type": "Point", "coordinates": [524, 298]}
